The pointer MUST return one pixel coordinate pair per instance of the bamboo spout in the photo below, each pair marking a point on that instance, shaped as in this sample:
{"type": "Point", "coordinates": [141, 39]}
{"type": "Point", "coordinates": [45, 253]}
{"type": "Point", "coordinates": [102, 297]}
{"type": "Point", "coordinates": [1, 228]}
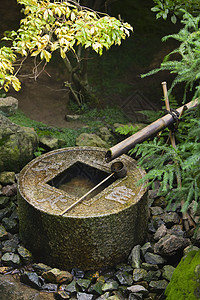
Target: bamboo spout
{"type": "Point", "coordinates": [145, 133]}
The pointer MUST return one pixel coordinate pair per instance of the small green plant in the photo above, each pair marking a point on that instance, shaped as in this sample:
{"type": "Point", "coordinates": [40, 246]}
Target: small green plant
{"type": "Point", "coordinates": [168, 164]}
{"type": "Point", "coordinates": [127, 129]}
{"type": "Point", "coordinates": [39, 151]}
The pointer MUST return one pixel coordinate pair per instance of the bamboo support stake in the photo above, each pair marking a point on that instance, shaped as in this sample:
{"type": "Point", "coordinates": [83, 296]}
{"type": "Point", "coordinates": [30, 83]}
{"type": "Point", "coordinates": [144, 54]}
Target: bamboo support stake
{"type": "Point", "coordinates": [187, 220]}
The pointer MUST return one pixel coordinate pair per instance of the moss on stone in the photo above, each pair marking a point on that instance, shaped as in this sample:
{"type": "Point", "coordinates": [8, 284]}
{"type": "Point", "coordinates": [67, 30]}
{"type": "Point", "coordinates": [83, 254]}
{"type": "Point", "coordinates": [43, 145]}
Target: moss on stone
{"type": "Point", "coordinates": [185, 282]}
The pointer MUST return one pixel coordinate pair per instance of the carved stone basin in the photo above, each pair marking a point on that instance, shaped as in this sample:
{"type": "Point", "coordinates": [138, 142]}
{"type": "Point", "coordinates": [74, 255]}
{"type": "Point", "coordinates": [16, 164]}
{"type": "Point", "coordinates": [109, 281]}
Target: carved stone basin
{"type": "Point", "coordinates": [101, 230]}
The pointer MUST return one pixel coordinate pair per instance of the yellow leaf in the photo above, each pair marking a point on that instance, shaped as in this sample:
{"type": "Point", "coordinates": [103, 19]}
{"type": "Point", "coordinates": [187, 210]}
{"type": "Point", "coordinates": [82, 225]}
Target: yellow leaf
{"type": "Point", "coordinates": [16, 84]}
{"type": "Point", "coordinates": [73, 16]}
{"type": "Point", "coordinates": [46, 14]}
{"type": "Point", "coordinates": [58, 11]}
{"type": "Point", "coordinates": [62, 53]}
{"type": "Point", "coordinates": [35, 53]}
{"type": "Point", "coordinates": [47, 55]}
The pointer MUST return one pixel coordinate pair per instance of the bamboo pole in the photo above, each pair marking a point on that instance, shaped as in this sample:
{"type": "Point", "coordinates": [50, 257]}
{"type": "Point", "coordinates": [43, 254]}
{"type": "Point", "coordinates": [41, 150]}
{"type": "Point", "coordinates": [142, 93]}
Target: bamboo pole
{"type": "Point", "coordinates": [145, 133]}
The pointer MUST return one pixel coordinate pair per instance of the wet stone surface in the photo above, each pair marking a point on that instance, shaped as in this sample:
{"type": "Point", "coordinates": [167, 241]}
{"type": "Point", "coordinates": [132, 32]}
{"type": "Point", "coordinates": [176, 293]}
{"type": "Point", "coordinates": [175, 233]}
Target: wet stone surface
{"type": "Point", "coordinates": [144, 274]}
{"type": "Point", "coordinates": [105, 226]}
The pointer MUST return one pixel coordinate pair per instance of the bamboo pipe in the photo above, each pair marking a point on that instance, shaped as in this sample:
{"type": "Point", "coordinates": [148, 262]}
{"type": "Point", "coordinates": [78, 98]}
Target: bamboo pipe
{"type": "Point", "coordinates": [145, 133]}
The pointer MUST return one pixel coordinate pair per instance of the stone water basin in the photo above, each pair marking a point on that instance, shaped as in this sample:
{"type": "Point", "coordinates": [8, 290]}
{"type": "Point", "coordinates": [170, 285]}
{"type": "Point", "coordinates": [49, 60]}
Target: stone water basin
{"type": "Point", "coordinates": [98, 232]}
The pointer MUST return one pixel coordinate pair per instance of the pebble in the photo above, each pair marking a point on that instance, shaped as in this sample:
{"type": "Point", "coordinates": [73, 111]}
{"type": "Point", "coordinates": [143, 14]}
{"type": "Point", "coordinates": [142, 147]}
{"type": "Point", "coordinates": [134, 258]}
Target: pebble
{"type": "Point", "coordinates": [3, 233]}
{"type": "Point", "coordinates": [11, 259]}
{"type": "Point", "coordinates": [31, 279]}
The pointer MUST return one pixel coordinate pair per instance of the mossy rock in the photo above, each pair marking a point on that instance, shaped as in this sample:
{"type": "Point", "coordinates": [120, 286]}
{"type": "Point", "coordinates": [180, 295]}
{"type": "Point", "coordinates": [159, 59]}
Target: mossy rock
{"type": "Point", "coordinates": [185, 283]}
{"type": "Point", "coordinates": [17, 145]}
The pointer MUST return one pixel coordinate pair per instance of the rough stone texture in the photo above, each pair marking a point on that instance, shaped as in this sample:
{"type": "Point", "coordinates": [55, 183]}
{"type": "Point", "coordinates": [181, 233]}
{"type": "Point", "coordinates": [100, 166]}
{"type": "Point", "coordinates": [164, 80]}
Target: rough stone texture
{"type": "Point", "coordinates": [105, 134]}
{"type": "Point", "coordinates": [11, 289]}
{"type": "Point", "coordinates": [8, 106]}
{"type": "Point", "coordinates": [101, 233]}
{"type": "Point", "coordinates": [7, 177]}
{"type": "Point", "coordinates": [57, 276]}
{"type": "Point", "coordinates": [170, 245]}
{"type": "Point", "coordinates": [161, 232]}
{"type": "Point", "coordinates": [90, 140]}
{"type": "Point", "coordinates": [135, 257]}
{"type": "Point", "coordinates": [51, 143]}
{"type": "Point", "coordinates": [17, 145]}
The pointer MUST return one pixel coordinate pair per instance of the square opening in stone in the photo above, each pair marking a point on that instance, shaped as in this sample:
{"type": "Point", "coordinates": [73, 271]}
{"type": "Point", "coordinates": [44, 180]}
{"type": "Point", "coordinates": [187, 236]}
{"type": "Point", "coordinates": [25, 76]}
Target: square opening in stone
{"type": "Point", "coordinates": [79, 178]}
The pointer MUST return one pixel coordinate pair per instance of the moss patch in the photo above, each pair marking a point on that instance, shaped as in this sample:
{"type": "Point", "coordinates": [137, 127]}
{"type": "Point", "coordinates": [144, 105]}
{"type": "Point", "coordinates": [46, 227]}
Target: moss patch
{"type": "Point", "coordinates": [185, 284]}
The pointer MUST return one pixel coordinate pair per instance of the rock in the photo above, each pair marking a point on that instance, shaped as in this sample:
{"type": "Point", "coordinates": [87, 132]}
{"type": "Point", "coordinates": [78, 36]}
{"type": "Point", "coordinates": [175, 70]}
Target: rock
{"type": "Point", "coordinates": [51, 143]}
{"type": "Point", "coordinates": [156, 211]}
{"type": "Point", "coordinates": [105, 134]}
{"type": "Point", "coordinates": [11, 225]}
{"type": "Point", "coordinates": [153, 194]}
{"type": "Point", "coordinates": [152, 275]}
{"type": "Point", "coordinates": [196, 238]}
{"type": "Point", "coordinates": [31, 279]}
{"type": "Point", "coordinates": [157, 221]}
{"type": "Point", "coordinates": [72, 117]}
{"type": "Point", "coordinates": [4, 201]}
{"type": "Point", "coordinates": [90, 139]}
{"type": "Point", "coordinates": [96, 288]}
{"type": "Point", "coordinates": [138, 289]}
{"type": "Point", "coordinates": [49, 287]}
{"type": "Point", "coordinates": [83, 284]}
{"type": "Point", "coordinates": [167, 272]}
{"type": "Point", "coordinates": [9, 246]}
{"type": "Point", "coordinates": [160, 232]}
{"type": "Point", "coordinates": [161, 201]}
{"type": "Point", "coordinates": [124, 278]}
{"type": "Point", "coordinates": [71, 287]}
{"type": "Point", "coordinates": [9, 190]}
{"type": "Point", "coordinates": [7, 178]}
{"type": "Point", "coordinates": [12, 289]}
{"type": "Point", "coordinates": [4, 213]}
{"type": "Point", "coordinates": [8, 106]}
{"type": "Point", "coordinates": [149, 267]}
{"type": "Point", "coordinates": [17, 145]}
{"type": "Point", "coordinates": [190, 248]}
{"type": "Point", "coordinates": [184, 283]}
{"type": "Point", "coordinates": [134, 257]}
{"type": "Point", "coordinates": [104, 296]}
{"type": "Point", "coordinates": [154, 259]}
{"type": "Point", "coordinates": [62, 295]}
{"type": "Point", "coordinates": [139, 274]}
{"type": "Point", "coordinates": [135, 296]}
{"type": "Point", "coordinates": [40, 268]}
{"type": "Point", "coordinates": [11, 259]}
{"type": "Point", "coordinates": [124, 267]}
{"type": "Point", "coordinates": [170, 219]}
{"type": "Point", "coordinates": [25, 254]}
{"type": "Point", "coordinates": [176, 230]}
{"type": "Point", "coordinates": [3, 233]}
{"type": "Point", "coordinates": [169, 245]}
{"type": "Point", "coordinates": [146, 248]}
{"type": "Point", "coordinates": [110, 286]}
{"type": "Point", "coordinates": [77, 273]}
{"type": "Point", "coordinates": [84, 296]}
{"type": "Point", "coordinates": [158, 285]}
{"type": "Point", "coordinates": [57, 276]}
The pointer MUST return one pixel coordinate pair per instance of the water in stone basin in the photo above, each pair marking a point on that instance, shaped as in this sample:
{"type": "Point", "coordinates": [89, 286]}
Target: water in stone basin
{"type": "Point", "coordinates": [77, 186]}
{"type": "Point", "coordinates": [79, 179]}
